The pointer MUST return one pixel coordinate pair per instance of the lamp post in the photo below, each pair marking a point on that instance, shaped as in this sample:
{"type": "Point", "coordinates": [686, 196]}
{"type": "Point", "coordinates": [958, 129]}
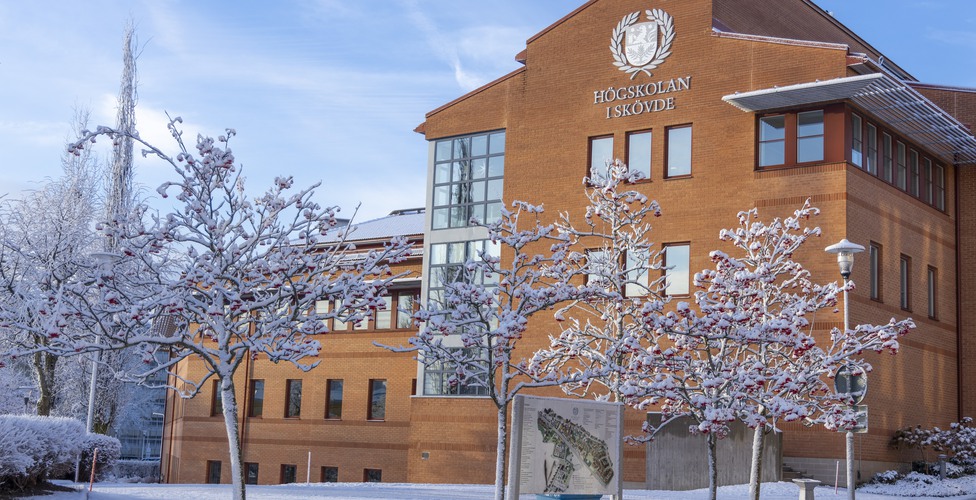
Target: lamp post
{"type": "Point", "coordinates": [105, 261]}
{"type": "Point", "coordinates": [845, 251]}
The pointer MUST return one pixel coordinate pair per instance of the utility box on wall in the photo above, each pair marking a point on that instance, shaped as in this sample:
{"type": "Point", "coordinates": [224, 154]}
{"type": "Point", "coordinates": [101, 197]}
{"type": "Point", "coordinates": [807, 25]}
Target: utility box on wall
{"type": "Point", "coordinates": [675, 453]}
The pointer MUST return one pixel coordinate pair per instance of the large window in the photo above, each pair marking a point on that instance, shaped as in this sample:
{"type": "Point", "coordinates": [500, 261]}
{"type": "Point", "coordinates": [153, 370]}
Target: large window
{"type": "Point", "coordinates": [403, 303]}
{"type": "Point", "coordinates": [874, 258]}
{"type": "Point", "coordinates": [447, 265]}
{"type": "Point", "coordinates": [601, 154]}
{"type": "Point", "coordinates": [289, 473]}
{"type": "Point", "coordinates": [639, 153]}
{"type": "Point", "coordinates": [677, 259]}
{"type": "Point", "coordinates": [810, 136]}
{"type": "Point", "coordinates": [257, 398]}
{"type": "Point", "coordinates": [333, 399]}
{"type": "Point", "coordinates": [377, 400]}
{"type": "Point", "coordinates": [439, 379]}
{"type": "Point", "coordinates": [931, 282]}
{"type": "Point", "coordinates": [857, 141]}
{"type": "Point", "coordinates": [213, 471]}
{"type": "Point", "coordinates": [468, 176]}
{"type": "Point", "coordinates": [678, 149]}
{"type": "Point", "coordinates": [905, 271]}
{"type": "Point", "coordinates": [293, 398]}
{"type": "Point", "coordinates": [772, 140]}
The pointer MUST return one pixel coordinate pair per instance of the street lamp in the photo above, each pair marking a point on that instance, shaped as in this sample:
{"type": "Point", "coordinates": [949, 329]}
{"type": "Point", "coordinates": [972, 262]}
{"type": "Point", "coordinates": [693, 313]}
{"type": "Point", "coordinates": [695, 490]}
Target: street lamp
{"type": "Point", "coordinates": [845, 251]}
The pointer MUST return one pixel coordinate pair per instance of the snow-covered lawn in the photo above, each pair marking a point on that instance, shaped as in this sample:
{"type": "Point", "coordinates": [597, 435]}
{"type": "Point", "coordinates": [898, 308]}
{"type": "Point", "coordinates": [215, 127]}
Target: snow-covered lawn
{"type": "Point", "coordinates": [391, 491]}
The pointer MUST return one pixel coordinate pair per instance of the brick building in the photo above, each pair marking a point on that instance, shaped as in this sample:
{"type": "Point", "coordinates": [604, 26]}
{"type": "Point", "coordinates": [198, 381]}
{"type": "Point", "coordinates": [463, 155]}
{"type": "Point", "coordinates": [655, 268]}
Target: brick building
{"type": "Point", "coordinates": [725, 105]}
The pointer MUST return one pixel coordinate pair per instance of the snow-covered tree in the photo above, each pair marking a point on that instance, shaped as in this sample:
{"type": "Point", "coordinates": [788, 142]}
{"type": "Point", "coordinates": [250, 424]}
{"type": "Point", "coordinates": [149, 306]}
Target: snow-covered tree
{"type": "Point", "coordinates": [244, 285]}
{"type": "Point", "coordinates": [623, 286]}
{"type": "Point", "coordinates": [747, 350]}
{"type": "Point", "coordinates": [476, 326]}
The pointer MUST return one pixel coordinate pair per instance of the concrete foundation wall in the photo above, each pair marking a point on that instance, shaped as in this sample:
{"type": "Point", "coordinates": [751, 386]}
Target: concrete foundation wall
{"type": "Point", "coordinates": [678, 460]}
{"type": "Point", "coordinates": [825, 470]}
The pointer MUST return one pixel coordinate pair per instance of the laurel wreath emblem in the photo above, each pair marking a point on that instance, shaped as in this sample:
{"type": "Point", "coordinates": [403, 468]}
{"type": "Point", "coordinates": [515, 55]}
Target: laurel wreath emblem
{"type": "Point", "coordinates": [663, 20]}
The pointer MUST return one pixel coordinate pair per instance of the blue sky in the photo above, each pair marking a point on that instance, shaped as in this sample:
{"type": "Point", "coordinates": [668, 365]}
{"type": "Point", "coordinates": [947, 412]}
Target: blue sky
{"type": "Point", "coordinates": [327, 90]}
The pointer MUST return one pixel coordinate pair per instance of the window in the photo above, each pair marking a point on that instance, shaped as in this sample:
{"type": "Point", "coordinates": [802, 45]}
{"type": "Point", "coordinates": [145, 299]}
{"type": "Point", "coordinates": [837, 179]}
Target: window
{"type": "Point", "coordinates": [927, 189]}
{"type": "Point", "coordinates": [939, 187]}
{"type": "Point", "coordinates": [601, 155]}
{"type": "Point", "coordinates": [678, 148]}
{"type": "Point", "coordinates": [289, 473]}
{"type": "Point", "coordinates": [330, 475]}
{"type": "Point", "coordinates": [638, 279]}
{"type": "Point", "coordinates": [213, 471]}
{"type": "Point", "coordinates": [887, 167]}
{"type": "Point", "coordinates": [871, 150]}
{"type": "Point", "coordinates": [216, 402]}
{"type": "Point", "coordinates": [913, 182]}
{"type": "Point", "coordinates": [406, 307]}
{"type": "Point", "coordinates": [933, 279]}
{"type": "Point", "coordinates": [772, 140]}
{"type": "Point", "coordinates": [677, 263]}
{"type": "Point", "coordinates": [293, 398]}
{"type": "Point", "coordinates": [447, 265]}
{"type": "Point", "coordinates": [599, 269]}
{"type": "Point", "coordinates": [857, 141]}
{"type": "Point", "coordinates": [810, 136]}
{"type": "Point", "coordinates": [906, 286]}
{"type": "Point", "coordinates": [257, 398]}
{"type": "Point", "coordinates": [377, 400]}
{"type": "Point", "coordinates": [639, 153]}
{"type": "Point", "coordinates": [468, 176]}
{"type": "Point", "coordinates": [440, 379]}
{"type": "Point", "coordinates": [250, 473]}
{"type": "Point", "coordinates": [372, 475]}
{"type": "Point", "coordinates": [902, 181]}
{"type": "Point", "coordinates": [333, 399]}
{"type": "Point", "coordinates": [874, 257]}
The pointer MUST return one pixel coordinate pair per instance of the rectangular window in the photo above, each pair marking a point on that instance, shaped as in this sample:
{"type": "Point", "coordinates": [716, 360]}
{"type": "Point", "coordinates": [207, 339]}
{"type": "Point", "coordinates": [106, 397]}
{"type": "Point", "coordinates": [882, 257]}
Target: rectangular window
{"type": "Point", "coordinates": [902, 167]}
{"type": "Point", "coordinates": [372, 476]}
{"type": "Point", "coordinates": [257, 398]}
{"type": "Point", "coordinates": [289, 473]}
{"type": "Point", "coordinates": [468, 176]}
{"type": "Point", "coordinates": [772, 140]}
{"type": "Point", "coordinates": [213, 471]}
{"type": "Point", "coordinates": [871, 150]}
{"type": "Point", "coordinates": [637, 272]}
{"type": "Point", "coordinates": [330, 475]}
{"type": "Point", "coordinates": [250, 473]}
{"type": "Point", "coordinates": [887, 167]}
{"type": "Point", "coordinates": [940, 187]}
{"type": "Point", "coordinates": [447, 265]}
{"type": "Point", "coordinates": [913, 182]}
{"type": "Point", "coordinates": [874, 256]}
{"type": "Point", "coordinates": [677, 273]}
{"type": "Point", "coordinates": [810, 136]}
{"type": "Point", "coordinates": [678, 148]}
{"type": "Point", "coordinates": [377, 400]}
{"type": "Point", "coordinates": [857, 141]}
{"type": "Point", "coordinates": [440, 378]}
{"type": "Point", "coordinates": [933, 279]}
{"type": "Point", "coordinates": [927, 188]}
{"type": "Point", "coordinates": [598, 268]}
{"type": "Point", "coordinates": [639, 153]}
{"type": "Point", "coordinates": [216, 401]}
{"type": "Point", "coordinates": [384, 315]}
{"type": "Point", "coordinates": [293, 398]}
{"type": "Point", "coordinates": [906, 284]}
{"type": "Point", "coordinates": [601, 155]}
{"type": "Point", "coordinates": [406, 307]}
{"type": "Point", "coordinates": [333, 399]}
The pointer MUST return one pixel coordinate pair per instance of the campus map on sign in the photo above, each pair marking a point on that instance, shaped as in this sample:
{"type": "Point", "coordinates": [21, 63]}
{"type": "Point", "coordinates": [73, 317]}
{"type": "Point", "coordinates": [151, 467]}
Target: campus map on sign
{"type": "Point", "coordinates": [568, 446]}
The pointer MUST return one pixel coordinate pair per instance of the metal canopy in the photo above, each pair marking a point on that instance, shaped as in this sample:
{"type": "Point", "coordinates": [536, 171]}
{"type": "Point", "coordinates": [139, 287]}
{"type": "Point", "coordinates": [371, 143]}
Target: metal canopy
{"type": "Point", "coordinates": [899, 106]}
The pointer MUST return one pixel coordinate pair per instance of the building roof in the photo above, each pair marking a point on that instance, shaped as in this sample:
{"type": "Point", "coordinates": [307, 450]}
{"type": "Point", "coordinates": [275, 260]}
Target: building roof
{"type": "Point", "coordinates": [408, 222]}
{"type": "Point", "coordinates": [897, 104]}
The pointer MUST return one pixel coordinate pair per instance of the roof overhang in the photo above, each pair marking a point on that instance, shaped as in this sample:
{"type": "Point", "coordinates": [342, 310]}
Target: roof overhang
{"type": "Point", "coordinates": [897, 105]}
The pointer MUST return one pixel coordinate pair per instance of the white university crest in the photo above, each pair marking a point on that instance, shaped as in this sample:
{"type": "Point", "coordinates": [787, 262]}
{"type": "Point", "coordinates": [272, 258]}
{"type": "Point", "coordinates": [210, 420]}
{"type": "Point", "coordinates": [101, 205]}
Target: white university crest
{"type": "Point", "coordinates": [641, 47]}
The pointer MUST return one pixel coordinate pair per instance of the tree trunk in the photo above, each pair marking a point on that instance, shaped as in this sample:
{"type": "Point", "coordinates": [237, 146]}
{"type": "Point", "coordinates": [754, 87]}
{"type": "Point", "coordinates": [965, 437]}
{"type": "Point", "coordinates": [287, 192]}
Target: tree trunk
{"type": "Point", "coordinates": [44, 365]}
{"type": "Point", "coordinates": [229, 401]}
{"type": "Point", "coordinates": [712, 467]}
{"type": "Point", "coordinates": [500, 452]}
{"type": "Point", "coordinates": [755, 473]}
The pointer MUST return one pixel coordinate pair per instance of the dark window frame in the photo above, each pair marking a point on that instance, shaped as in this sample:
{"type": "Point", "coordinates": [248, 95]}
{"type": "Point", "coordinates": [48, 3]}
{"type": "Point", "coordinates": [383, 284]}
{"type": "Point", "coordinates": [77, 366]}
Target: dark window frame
{"type": "Point", "coordinates": [371, 403]}
{"type": "Point", "coordinates": [216, 400]}
{"type": "Point", "coordinates": [590, 152]}
{"type": "Point", "coordinates": [285, 473]}
{"type": "Point", "coordinates": [905, 274]}
{"type": "Point", "coordinates": [328, 398]}
{"type": "Point", "coordinates": [665, 265]}
{"type": "Point", "coordinates": [372, 475]}
{"type": "Point", "coordinates": [247, 472]}
{"type": "Point", "coordinates": [213, 472]}
{"type": "Point", "coordinates": [932, 278]}
{"type": "Point", "coordinates": [650, 152]}
{"type": "Point", "coordinates": [256, 406]}
{"type": "Point", "coordinates": [329, 470]}
{"type": "Point", "coordinates": [290, 385]}
{"type": "Point", "coordinates": [667, 151]}
{"type": "Point", "coordinates": [876, 272]}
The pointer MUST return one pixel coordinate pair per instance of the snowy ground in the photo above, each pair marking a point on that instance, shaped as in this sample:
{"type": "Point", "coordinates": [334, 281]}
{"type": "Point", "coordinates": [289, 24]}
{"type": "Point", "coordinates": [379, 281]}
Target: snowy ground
{"type": "Point", "coordinates": [392, 491]}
